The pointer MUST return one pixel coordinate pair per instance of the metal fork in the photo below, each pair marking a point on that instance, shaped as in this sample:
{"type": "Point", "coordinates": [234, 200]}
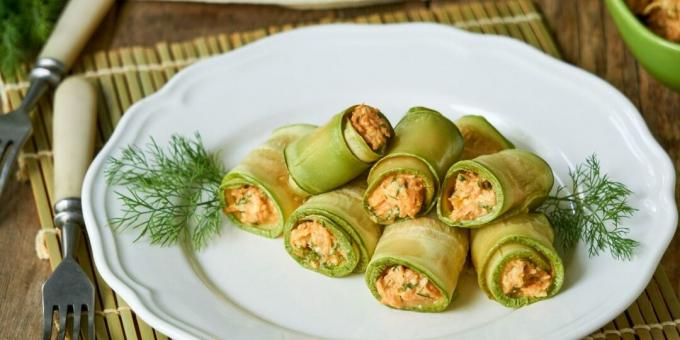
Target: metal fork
{"type": "Point", "coordinates": [78, 21]}
{"type": "Point", "coordinates": [15, 127]}
{"type": "Point", "coordinates": [69, 289]}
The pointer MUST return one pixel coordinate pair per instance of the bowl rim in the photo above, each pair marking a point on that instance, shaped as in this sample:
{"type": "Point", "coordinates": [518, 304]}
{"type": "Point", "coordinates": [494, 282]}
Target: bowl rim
{"type": "Point", "coordinates": [622, 7]}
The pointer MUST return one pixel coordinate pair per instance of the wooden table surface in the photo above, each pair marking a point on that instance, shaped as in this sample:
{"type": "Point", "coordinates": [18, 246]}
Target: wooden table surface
{"type": "Point", "coordinates": [583, 30]}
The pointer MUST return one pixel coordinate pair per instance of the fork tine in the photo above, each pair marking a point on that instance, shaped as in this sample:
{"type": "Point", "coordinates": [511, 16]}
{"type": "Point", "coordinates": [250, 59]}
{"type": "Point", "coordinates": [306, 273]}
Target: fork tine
{"type": "Point", "coordinates": [90, 322]}
{"type": "Point", "coordinates": [63, 313]}
{"type": "Point", "coordinates": [76, 322]}
{"type": "Point", "coordinates": [47, 322]}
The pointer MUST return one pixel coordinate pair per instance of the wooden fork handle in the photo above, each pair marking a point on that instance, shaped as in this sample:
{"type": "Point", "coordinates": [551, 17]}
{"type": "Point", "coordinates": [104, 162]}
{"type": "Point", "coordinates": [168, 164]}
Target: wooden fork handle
{"type": "Point", "coordinates": [77, 22]}
{"type": "Point", "coordinates": [75, 107]}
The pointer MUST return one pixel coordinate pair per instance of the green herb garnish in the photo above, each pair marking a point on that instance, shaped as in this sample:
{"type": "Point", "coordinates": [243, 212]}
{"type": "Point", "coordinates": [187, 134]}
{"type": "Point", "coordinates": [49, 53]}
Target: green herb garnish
{"type": "Point", "coordinates": [592, 210]}
{"type": "Point", "coordinates": [25, 25]}
{"type": "Point", "coordinates": [170, 192]}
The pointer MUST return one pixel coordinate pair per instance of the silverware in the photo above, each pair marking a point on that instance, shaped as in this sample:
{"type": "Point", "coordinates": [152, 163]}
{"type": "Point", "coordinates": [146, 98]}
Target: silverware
{"type": "Point", "coordinates": [68, 289]}
{"type": "Point", "coordinates": [15, 127]}
{"type": "Point", "coordinates": [75, 26]}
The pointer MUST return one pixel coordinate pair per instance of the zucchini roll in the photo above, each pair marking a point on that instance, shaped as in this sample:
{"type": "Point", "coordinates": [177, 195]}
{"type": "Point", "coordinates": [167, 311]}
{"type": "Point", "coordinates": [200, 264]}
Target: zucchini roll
{"type": "Point", "coordinates": [256, 193]}
{"type": "Point", "coordinates": [416, 264]}
{"type": "Point", "coordinates": [331, 233]}
{"type": "Point", "coordinates": [515, 260]}
{"type": "Point", "coordinates": [480, 137]}
{"type": "Point", "coordinates": [477, 191]}
{"type": "Point", "coordinates": [404, 183]}
{"type": "Point", "coordinates": [339, 151]}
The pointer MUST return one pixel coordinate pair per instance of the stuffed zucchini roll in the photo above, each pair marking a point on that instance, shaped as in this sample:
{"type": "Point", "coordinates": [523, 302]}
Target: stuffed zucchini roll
{"type": "Point", "coordinates": [404, 183]}
{"type": "Point", "coordinates": [477, 191]}
{"type": "Point", "coordinates": [515, 260]}
{"type": "Point", "coordinates": [416, 264]}
{"type": "Point", "coordinates": [480, 137]}
{"type": "Point", "coordinates": [331, 233]}
{"type": "Point", "coordinates": [256, 193]}
{"type": "Point", "coordinates": [339, 151]}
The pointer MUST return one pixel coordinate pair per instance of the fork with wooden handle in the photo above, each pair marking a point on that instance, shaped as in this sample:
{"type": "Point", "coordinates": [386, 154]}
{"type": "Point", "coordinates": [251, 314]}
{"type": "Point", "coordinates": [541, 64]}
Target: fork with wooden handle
{"type": "Point", "coordinates": [68, 289]}
{"type": "Point", "coordinates": [78, 21]}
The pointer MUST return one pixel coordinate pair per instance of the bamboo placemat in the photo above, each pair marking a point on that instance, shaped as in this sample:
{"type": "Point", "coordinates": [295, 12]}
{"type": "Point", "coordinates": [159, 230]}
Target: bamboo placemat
{"type": "Point", "coordinates": [126, 75]}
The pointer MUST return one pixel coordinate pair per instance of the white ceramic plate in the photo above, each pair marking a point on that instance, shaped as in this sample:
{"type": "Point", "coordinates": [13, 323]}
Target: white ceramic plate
{"type": "Point", "coordinates": [245, 286]}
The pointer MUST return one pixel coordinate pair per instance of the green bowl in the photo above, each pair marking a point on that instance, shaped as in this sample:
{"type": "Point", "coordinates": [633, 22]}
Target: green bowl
{"type": "Point", "coordinates": [660, 57]}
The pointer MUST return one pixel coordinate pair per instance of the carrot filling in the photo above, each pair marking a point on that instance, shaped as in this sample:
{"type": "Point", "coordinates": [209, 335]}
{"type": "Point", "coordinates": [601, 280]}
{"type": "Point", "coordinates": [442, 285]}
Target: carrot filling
{"type": "Point", "coordinates": [397, 196]}
{"type": "Point", "coordinates": [662, 16]}
{"type": "Point", "coordinates": [372, 127]}
{"type": "Point", "coordinates": [522, 278]}
{"type": "Point", "coordinates": [472, 197]}
{"type": "Point", "coordinates": [316, 244]}
{"type": "Point", "coordinates": [402, 287]}
{"type": "Point", "coordinates": [250, 205]}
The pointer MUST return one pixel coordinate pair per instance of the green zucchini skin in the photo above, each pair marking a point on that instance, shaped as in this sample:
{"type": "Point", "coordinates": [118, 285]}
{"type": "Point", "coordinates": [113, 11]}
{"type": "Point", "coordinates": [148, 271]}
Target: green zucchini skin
{"type": "Point", "coordinates": [265, 168]}
{"type": "Point", "coordinates": [341, 212]}
{"type": "Point", "coordinates": [524, 236]}
{"type": "Point", "coordinates": [426, 143]}
{"type": "Point", "coordinates": [330, 156]}
{"type": "Point", "coordinates": [480, 137]}
{"type": "Point", "coordinates": [427, 246]}
{"type": "Point", "coordinates": [520, 179]}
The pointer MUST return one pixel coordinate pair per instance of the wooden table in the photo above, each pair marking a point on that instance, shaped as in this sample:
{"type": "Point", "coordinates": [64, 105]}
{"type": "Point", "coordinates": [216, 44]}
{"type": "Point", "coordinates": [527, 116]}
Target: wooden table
{"type": "Point", "coordinates": [584, 31]}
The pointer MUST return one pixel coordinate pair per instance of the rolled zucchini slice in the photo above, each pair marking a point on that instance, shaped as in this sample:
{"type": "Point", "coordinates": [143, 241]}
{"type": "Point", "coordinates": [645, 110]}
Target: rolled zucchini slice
{"type": "Point", "coordinates": [404, 183]}
{"type": "Point", "coordinates": [478, 191]}
{"type": "Point", "coordinates": [515, 260]}
{"type": "Point", "coordinates": [339, 151]}
{"type": "Point", "coordinates": [256, 194]}
{"type": "Point", "coordinates": [417, 264]}
{"type": "Point", "coordinates": [480, 137]}
{"type": "Point", "coordinates": [331, 233]}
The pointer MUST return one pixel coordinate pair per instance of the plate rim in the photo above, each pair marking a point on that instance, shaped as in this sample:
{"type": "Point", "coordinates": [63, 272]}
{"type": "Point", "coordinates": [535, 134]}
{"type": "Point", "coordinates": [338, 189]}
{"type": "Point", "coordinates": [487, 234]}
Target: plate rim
{"type": "Point", "coordinates": [155, 316]}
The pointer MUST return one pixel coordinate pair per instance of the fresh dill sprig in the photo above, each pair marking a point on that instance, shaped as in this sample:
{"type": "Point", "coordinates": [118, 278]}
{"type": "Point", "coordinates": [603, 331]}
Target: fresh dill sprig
{"type": "Point", "coordinates": [25, 25]}
{"type": "Point", "coordinates": [168, 191]}
{"type": "Point", "coordinates": [592, 209]}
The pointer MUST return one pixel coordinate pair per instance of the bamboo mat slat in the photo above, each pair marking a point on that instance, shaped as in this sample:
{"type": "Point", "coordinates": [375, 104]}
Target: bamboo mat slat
{"type": "Point", "coordinates": [125, 76]}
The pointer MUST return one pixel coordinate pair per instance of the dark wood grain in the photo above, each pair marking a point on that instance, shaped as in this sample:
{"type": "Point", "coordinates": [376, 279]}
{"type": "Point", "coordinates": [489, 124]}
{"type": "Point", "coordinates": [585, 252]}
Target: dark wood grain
{"type": "Point", "coordinates": [21, 273]}
{"type": "Point", "coordinates": [584, 32]}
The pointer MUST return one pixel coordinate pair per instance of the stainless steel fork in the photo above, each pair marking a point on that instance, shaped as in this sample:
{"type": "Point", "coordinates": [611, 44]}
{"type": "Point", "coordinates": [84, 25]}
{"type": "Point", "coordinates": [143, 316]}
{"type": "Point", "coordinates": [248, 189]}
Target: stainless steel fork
{"type": "Point", "coordinates": [69, 289]}
{"type": "Point", "coordinates": [15, 127]}
{"type": "Point", "coordinates": [75, 26]}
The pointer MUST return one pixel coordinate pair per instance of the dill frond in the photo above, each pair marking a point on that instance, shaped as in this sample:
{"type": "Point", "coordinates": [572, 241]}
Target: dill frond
{"type": "Point", "coordinates": [592, 209]}
{"type": "Point", "coordinates": [25, 25]}
{"type": "Point", "coordinates": [168, 191]}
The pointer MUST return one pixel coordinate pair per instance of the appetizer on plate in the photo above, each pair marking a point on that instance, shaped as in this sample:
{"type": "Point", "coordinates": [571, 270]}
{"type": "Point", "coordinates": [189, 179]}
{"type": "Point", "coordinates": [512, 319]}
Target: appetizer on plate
{"type": "Point", "coordinates": [257, 195]}
{"type": "Point", "coordinates": [306, 182]}
{"type": "Point", "coordinates": [404, 183]}
{"type": "Point", "coordinates": [515, 260]}
{"type": "Point", "coordinates": [416, 264]}
{"type": "Point", "coordinates": [331, 233]}
{"type": "Point", "coordinates": [478, 191]}
{"type": "Point", "coordinates": [339, 151]}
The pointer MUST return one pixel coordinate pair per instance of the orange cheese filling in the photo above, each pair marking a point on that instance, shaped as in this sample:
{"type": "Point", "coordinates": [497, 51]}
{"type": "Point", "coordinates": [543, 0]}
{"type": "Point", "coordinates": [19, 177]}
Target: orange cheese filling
{"type": "Point", "coordinates": [311, 239]}
{"type": "Point", "coordinates": [401, 287]}
{"type": "Point", "coordinates": [397, 196]}
{"type": "Point", "coordinates": [522, 278]}
{"type": "Point", "coordinates": [472, 197]}
{"type": "Point", "coordinates": [250, 205]}
{"type": "Point", "coordinates": [373, 128]}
